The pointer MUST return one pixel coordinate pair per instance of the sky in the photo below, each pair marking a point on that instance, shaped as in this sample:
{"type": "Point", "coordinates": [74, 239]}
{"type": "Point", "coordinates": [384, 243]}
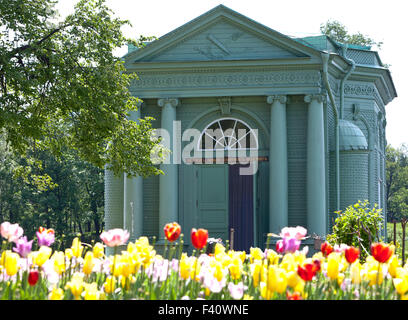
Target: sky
{"type": "Point", "coordinates": [380, 20]}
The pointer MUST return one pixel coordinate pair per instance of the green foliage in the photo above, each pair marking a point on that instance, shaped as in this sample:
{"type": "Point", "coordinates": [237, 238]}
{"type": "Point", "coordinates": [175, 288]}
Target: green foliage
{"type": "Point", "coordinates": [357, 226]}
{"type": "Point", "coordinates": [338, 32]}
{"type": "Point", "coordinates": [62, 88]}
{"type": "Point", "coordinates": [71, 201]}
{"type": "Point", "coordinates": [397, 183]}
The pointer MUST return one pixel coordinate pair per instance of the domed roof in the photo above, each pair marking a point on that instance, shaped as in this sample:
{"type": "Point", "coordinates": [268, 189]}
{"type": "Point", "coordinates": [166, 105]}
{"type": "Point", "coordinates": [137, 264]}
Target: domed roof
{"type": "Point", "coordinates": [351, 137]}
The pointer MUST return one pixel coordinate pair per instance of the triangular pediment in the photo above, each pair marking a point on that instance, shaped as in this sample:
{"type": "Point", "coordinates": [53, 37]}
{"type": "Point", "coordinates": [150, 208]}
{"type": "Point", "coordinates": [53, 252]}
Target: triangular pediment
{"type": "Point", "coordinates": [221, 34]}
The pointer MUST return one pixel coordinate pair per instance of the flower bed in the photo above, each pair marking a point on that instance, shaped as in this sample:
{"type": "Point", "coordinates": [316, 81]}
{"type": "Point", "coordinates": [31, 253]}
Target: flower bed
{"type": "Point", "coordinates": [85, 272]}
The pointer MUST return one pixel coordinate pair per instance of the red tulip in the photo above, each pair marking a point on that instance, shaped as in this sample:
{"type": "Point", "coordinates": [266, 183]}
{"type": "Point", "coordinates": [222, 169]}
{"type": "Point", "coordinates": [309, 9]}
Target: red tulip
{"type": "Point", "coordinates": [351, 254]}
{"type": "Point", "coordinates": [172, 231]}
{"type": "Point", "coordinates": [33, 277]}
{"type": "Point", "coordinates": [326, 248]}
{"type": "Point", "coordinates": [199, 238]}
{"type": "Point", "coordinates": [293, 296]}
{"type": "Point", "coordinates": [309, 270]}
{"type": "Point", "coordinates": [381, 252]}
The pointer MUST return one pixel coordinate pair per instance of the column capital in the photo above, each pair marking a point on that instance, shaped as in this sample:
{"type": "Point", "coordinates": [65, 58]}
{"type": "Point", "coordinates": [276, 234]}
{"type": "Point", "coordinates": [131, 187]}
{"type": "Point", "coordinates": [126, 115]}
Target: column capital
{"type": "Point", "coordinates": [318, 97]}
{"type": "Point", "coordinates": [279, 97]}
{"type": "Point", "coordinates": [174, 102]}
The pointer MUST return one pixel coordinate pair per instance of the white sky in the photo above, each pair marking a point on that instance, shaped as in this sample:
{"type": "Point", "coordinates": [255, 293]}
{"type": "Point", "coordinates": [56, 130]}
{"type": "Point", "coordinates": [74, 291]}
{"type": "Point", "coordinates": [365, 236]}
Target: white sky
{"type": "Point", "coordinates": [380, 20]}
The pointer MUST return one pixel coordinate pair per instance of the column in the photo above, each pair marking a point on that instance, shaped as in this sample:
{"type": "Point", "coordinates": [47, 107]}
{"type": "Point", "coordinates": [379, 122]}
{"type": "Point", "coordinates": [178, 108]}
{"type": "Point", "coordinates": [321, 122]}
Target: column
{"type": "Point", "coordinates": [316, 168]}
{"type": "Point", "coordinates": [168, 193]}
{"type": "Point", "coordinates": [278, 165]}
{"type": "Point", "coordinates": [133, 196]}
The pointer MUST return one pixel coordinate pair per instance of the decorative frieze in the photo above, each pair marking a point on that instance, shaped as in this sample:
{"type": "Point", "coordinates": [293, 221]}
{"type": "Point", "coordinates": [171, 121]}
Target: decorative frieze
{"type": "Point", "coordinates": [232, 78]}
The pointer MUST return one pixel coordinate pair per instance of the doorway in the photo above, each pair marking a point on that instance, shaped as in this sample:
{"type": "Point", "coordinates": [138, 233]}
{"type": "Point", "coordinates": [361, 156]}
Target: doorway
{"type": "Point", "coordinates": [225, 201]}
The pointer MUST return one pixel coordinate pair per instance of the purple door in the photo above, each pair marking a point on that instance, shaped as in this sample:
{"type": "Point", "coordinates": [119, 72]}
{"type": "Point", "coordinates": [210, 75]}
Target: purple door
{"type": "Point", "coordinates": [241, 208]}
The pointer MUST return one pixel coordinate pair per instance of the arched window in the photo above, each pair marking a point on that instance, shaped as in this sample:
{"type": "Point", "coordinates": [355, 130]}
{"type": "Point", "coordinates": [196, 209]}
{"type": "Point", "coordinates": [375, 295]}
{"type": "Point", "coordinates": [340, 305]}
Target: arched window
{"type": "Point", "coordinates": [228, 134]}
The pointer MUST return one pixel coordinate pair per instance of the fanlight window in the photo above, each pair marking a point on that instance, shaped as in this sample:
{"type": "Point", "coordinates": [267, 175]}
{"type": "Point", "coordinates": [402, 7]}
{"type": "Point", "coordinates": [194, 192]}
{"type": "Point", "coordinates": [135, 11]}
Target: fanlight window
{"type": "Point", "coordinates": [228, 134]}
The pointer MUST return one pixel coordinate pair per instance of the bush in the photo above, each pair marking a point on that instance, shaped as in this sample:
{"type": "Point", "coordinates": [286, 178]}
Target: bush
{"type": "Point", "coordinates": [357, 226]}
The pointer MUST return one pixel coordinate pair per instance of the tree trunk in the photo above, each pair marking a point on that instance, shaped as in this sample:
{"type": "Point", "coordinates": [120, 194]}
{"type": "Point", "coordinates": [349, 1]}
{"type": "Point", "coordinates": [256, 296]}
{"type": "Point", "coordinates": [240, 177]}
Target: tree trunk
{"type": "Point", "coordinates": [403, 223]}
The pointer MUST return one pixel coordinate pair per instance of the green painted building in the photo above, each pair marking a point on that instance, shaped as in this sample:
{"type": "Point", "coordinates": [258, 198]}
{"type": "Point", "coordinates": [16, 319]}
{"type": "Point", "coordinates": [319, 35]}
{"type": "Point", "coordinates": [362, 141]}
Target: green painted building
{"type": "Point", "coordinates": [303, 119]}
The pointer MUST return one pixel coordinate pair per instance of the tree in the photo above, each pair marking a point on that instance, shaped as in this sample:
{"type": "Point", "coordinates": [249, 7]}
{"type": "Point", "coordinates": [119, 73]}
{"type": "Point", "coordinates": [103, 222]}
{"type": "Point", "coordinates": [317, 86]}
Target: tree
{"type": "Point", "coordinates": [338, 32]}
{"type": "Point", "coordinates": [62, 87]}
{"type": "Point", "coordinates": [397, 188]}
{"type": "Point", "coordinates": [74, 202]}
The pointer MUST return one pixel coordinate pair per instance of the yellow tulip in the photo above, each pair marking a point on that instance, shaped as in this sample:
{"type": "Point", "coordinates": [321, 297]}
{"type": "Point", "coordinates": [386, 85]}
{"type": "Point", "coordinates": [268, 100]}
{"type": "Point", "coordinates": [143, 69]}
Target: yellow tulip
{"type": "Point", "coordinates": [288, 263]}
{"type": "Point", "coordinates": [59, 261]}
{"type": "Point", "coordinates": [277, 281]}
{"type": "Point", "coordinates": [76, 285]}
{"type": "Point", "coordinates": [88, 263]}
{"type": "Point", "coordinates": [184, 267]}
{"type": "Point", "coordinates": [255, 254]}
{"type": "Point", "coordinates": [374, 277]}
{"type": "Point", "coordinates": [255, 269]}
{"type": "Point", "coordinates": [98, 250]}
{"type": "Point", "coordinates": [235, 268]}
{"type": "Point", "coordinates": [273, 257]}
{"type": "Point", "coordinates": [293, 279]}
{"type": "Point", "coordinates": [401, 285]}
{"type": "Point", "coordinates": [333, 264]}
{"type": "Point", "coordinates": [218, 249]}
{"type": "Point", "coordinates": [355, 272]}
{"type": "Point", "coordinates": [11, 263]}
{"type": "Point", "coordinates": [265, 292]}
{"type": "Point", "coordinates": [109, 284]}
{"type": "Point", "coordinates": [393, 264]}
{"type": "Point", "coordinates": [77, 248]}
{"type": "Point", "coordinates": [91, 291]}
{"type": "Point", "coordinates": [68, 253]}
{"type": "Point", "coordinates": [42, 255]}
{"type": "Point", "coordinates": [56, 294]}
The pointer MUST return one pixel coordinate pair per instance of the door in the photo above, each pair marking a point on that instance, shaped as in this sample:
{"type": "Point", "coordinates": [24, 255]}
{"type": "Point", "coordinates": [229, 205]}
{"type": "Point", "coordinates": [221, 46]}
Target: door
{"type": "Point", "coordinates": [241, 208]}
{"type": "Point", "coordinates": [212, 200]}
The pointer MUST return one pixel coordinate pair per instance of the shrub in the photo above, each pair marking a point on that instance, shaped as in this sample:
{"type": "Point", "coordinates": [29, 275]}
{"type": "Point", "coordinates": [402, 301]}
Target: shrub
{"type": "Point", "coordinates": [357, 226]}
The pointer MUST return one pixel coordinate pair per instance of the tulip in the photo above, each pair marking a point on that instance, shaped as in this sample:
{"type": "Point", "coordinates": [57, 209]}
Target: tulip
{"type": "Point", "coordinates": [98, 250]}
{"type": "Point", "coordinates": [59, 262]}
{"type": "Point", "coordinates": [199, 238]}
{"type": "Point", "coordinates": [42, 255]}
{"type": "Point", "coordinates": [11, 232]}
{"type": "Point", "coordinates": [56, 294]}
{"type": "Point", "coordinates": [115, 237]}
{"type": "Point", "coordinates": [11, 263]}
{"type": "Point", "coordinates": [88, 263]}
{"type": "Point", "coordinates": [23, 247]}
{"type": "Point", "coordinates": [333, 264]}
{"type": "Point", "coordinates": [45, 237]}
{"type": "Point", "coordinates": [351, 254]}
{"type": "Point", "coordinates": [326, 248]}
{"type": "Point", "coordinates": [381, 252]}
{"type": "Point", "coordinates": [293, 296]}
{"type": "Point", "coordinates": [309, 270]}
{"type": "Point", "coordinates": [277, 281]}
{"type": "Point", "coordinates": [355, 273]}
{"type": "Point", "coordinates": [76, 285]}
{"type": "Point", "coordinates": [172, 231]}
{"type": "Point", "coordinates": [77, 247]}
{"type": "Point", "coordinates": [297, 233]}
{"type": "Point", "coordinates": [33, 277]}
{"type": "Point", "coordinates": [236, 290]}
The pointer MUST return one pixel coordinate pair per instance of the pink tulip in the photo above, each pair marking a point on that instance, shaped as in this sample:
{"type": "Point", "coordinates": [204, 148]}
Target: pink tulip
{"type": "Point", "coordinates": [12, 232]}
{"type": "Point", "coordinates": [298, 232]}
{"type": "Point", "coordinates": [115, 237]}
